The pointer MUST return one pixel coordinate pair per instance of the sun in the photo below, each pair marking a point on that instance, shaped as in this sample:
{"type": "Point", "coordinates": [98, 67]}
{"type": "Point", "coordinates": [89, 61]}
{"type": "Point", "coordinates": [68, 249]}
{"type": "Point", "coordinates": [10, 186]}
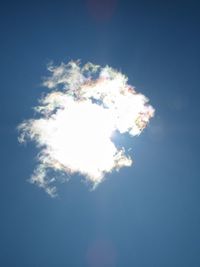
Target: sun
{"type": "Point", "coordinates": [79, 139]}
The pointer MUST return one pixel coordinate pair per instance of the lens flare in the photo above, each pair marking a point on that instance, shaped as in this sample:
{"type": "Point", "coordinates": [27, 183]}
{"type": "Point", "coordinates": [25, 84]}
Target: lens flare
{"type": "Point", "coordinates": [77, 119]}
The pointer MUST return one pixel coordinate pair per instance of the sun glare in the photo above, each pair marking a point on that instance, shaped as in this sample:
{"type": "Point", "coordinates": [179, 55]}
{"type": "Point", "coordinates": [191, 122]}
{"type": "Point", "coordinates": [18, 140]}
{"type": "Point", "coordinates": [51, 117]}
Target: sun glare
{"type": "Point", "coordinates": [85, 107]}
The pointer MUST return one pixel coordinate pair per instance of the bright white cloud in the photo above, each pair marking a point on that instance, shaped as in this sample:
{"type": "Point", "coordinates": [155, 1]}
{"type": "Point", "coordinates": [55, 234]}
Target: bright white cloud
{"type": "Point", "coordinates": [84, 108]}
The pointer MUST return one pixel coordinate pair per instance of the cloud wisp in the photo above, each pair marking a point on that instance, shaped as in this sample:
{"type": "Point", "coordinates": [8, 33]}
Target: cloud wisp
{"type": "Point", "coordinates": [76, 120]}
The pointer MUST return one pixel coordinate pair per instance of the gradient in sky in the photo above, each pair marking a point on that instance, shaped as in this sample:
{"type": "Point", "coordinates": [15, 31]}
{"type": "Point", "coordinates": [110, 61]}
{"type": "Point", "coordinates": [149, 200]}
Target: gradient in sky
{"type": "Point", "coordinates": [145, 215]}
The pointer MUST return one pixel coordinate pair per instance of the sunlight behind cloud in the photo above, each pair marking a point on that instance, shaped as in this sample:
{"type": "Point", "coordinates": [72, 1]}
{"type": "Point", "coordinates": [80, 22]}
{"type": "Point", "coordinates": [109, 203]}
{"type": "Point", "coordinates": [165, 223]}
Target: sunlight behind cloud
{"type": "Point", "coordinates": [84, 108]}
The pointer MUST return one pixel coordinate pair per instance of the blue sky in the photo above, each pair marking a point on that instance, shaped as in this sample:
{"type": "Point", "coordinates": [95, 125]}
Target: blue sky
{"type": "Point", "coordinates": [146, 215]}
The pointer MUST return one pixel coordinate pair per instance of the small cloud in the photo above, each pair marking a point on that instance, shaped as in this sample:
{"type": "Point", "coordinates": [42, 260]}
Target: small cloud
{"type": "Point", "coordinates": [84, 107]}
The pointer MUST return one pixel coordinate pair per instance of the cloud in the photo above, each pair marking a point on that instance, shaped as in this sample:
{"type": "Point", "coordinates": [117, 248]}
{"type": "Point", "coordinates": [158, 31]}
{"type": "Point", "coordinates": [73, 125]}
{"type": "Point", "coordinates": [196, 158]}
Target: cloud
{"type": "Point", "coordinates": [77, 118]}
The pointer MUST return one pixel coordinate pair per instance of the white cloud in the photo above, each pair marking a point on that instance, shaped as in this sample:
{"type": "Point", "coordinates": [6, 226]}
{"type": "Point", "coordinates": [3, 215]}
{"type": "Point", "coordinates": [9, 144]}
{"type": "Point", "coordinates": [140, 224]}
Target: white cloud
{"type": "Point", "coordinates": [78, 117]}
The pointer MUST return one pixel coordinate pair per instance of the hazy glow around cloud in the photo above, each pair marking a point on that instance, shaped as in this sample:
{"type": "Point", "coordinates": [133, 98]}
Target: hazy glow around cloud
{"type": "Point", "coordinates": [78, 117]}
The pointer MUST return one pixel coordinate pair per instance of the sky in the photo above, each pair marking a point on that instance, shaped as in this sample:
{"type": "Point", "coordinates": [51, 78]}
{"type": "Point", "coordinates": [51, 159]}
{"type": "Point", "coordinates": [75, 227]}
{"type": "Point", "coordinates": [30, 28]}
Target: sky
{"type": "Point", "coordinates": [144, 215]}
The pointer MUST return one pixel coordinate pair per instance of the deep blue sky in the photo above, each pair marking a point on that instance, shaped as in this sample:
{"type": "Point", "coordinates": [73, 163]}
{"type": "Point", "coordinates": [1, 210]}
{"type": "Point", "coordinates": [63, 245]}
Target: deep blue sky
{"type": "Point", "coordinates": [146, 215]}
